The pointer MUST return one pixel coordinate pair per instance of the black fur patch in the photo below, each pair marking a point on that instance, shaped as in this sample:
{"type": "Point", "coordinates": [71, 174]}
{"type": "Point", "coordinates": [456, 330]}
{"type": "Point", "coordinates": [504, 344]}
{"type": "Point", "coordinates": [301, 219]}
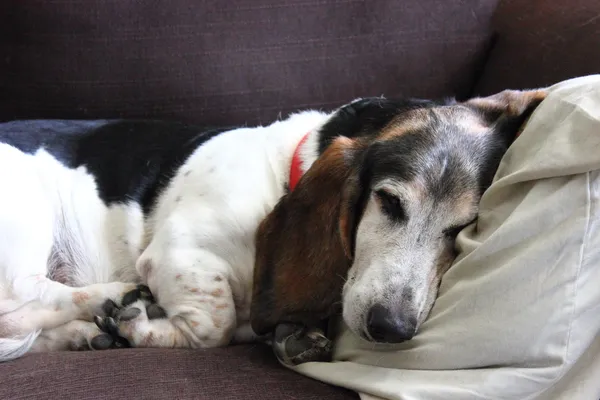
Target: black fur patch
{"type": "Point", "coordinates": [130, 160]}
{"type": "Point", "coordinates": [366, 117]}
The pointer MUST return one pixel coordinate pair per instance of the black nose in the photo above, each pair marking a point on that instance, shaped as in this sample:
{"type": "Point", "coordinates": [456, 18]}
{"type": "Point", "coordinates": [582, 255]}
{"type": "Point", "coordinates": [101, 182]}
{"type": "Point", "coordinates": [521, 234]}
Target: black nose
{"type": "Point", "coordinates": [386, 326]}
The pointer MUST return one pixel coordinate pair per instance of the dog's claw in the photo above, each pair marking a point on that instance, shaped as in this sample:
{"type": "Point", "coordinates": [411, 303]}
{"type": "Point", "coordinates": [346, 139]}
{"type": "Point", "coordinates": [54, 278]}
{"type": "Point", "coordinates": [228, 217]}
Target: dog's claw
{"type": "Point", "coordinates": [110, 338]}
{"type": "Point", "coordinates": [111, 326]}
{"type": "Point", "coordinates": [113, 315]}
{"type": "Point", "coordinates": [110, 308]}
{"type": "Point", "coordinates": [99, 321]}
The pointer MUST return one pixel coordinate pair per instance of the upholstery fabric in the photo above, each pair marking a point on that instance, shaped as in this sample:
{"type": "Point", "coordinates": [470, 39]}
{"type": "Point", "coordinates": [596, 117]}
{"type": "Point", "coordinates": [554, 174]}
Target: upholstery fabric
{"type": "Point", "coordinates": [238, 372]}
{"type": "Point", "coordinates": [216, 62]}
{"type": "Point", "coordinates": [539, 43]}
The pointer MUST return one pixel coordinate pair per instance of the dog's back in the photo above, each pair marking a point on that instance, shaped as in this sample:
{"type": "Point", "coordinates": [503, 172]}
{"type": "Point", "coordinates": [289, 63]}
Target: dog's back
{"type": "Point", "coordinates": [95, 175]}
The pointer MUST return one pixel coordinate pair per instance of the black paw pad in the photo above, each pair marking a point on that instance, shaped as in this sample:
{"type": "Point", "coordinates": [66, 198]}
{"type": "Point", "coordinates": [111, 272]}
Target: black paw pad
{"type": "Point", "coordinates": [103, 341]}
{"type": "Point", "coordinates": [110, 308]}
{"type": "Point", "coordinates": [141, 292]}
{"type": "Point", "coordinates": [110, 338]}
{"type": "Point", "coordinates": [130, 297]}
{"type": "Point", "coordinates": [145, 293]}
{"type": "Point", "coordinates": [129, 314]}
{"type": "Point", "coordinates": [121, 343]}
{"type": "Point", "coordinates": [155, 311]}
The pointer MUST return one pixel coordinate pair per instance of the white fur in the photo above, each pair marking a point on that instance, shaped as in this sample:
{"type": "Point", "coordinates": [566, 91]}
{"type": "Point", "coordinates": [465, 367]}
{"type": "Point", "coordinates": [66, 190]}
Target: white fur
{"type": "Point", "coordinates": [195, 251]}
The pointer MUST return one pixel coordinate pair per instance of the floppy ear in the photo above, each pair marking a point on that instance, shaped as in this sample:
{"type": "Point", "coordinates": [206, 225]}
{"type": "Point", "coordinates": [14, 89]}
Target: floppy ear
{"type": "Point", "coordinates": [508, 110]}
{"type": "Point", "coordinates": [351, 209]}
{"type": "Point", "coordinates": [301, 262]}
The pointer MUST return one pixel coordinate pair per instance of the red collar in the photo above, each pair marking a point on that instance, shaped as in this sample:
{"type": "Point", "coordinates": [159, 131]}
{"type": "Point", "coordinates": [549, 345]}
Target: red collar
{"type": "Point", "coordinates": [296, 167]}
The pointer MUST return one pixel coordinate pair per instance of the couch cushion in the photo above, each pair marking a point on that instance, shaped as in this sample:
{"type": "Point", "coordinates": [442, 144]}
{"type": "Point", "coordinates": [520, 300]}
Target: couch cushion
{"type": "Point", "coordinates": [238, 372]}
{"type": "Point", "coordinates": [229, 62]}
{"type": "Point", "coordinates": [541, 42]}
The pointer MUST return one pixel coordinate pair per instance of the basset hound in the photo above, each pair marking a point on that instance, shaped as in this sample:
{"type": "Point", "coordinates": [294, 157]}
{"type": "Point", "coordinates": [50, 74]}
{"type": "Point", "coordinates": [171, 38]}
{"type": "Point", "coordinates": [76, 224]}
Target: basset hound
{"type": "Point", "coordinates": [118, 233]}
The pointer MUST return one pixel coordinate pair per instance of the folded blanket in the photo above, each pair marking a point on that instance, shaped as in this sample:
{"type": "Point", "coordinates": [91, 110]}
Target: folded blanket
{"type": "Point", "coordinates": [518, 314]}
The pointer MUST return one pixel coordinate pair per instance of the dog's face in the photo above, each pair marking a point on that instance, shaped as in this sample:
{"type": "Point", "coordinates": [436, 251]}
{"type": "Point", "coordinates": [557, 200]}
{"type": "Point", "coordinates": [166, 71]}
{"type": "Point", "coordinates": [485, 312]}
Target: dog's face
{"type": "Point", "coordinates": [420, 181]}
{"type": "Point", "coordinates": [415, 172]}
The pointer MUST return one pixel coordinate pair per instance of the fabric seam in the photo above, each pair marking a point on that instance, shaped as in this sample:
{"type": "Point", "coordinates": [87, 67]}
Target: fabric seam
{"type": "Point", "coordinates": [585, 238]}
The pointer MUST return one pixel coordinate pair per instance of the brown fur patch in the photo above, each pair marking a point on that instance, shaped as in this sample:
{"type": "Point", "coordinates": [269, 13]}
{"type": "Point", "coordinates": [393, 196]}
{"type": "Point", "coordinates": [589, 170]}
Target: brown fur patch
{"type": "Point", "coordinates": [217, 293]}
{"type": "Point", "coordinates": [194, 290]}
{"type": "Point", "coordinates": [466, 203]}
{"type": "Point", "coordinates": [301, 263]}
{"type": "Point", "coordinates": [195, 323]}
{"type": "Point", "coordinates": [510, 103]}
{"type": "Point", "coordinates": [410, 121]}
{"type": "Point", "coordinates": [218, 278]}
{"type": "Point", "coordinates": [222, 306]}
{"type": "Point", "coordinates": [80, 297]}
{"type": "Point", "coordinates": [217, 322]}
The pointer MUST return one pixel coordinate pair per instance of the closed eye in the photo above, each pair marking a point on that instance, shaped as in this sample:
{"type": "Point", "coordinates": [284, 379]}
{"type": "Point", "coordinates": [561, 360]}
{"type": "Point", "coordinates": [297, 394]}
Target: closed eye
{"type": "Point", "coordinates": [453, 231]}
{"type": "Point", "coordinates": [391, 205]}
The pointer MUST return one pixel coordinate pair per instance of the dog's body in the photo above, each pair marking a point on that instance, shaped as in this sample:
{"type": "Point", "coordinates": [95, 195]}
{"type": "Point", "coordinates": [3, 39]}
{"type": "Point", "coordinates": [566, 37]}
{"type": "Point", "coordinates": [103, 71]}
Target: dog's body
{"type": "Point", "coordinates": [94, 203]}
{"type": "Point", "coordinates": [89, 210]}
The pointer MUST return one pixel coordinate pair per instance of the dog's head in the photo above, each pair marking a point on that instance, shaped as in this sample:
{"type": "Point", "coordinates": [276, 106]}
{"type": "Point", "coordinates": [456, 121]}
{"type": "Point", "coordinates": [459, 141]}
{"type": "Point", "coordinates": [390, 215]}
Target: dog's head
{"type": "Point", "coordinates": [374, 220]}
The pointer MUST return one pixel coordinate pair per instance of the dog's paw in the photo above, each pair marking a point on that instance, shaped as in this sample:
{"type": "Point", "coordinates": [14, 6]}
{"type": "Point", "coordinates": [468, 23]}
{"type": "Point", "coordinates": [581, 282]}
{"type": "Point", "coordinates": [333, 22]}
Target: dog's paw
{"type": "Point", "coordinates": [111, 337]}
{"type": "Point", "coordinates": [118, 323]}
{"type": "Point", "coordinates": [295, 344]}
{"type": "Point", "coordinates": [141, 292]}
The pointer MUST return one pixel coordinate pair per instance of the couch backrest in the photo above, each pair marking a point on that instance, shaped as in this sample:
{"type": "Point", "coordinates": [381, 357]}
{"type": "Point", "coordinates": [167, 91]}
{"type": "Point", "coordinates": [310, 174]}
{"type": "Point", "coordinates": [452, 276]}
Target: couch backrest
{"type": "Point", "coordinates": [218, 62]}
{"type": "Point", "coordinates": [541, 42]}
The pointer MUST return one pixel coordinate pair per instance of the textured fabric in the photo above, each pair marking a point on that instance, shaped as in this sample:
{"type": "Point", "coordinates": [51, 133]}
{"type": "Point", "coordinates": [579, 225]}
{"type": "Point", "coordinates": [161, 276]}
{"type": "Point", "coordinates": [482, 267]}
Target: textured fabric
{"type": "Point", "coordinates": [239, 372]}
{"type": "Point", "coordinates": [541, 42]}
{"type": "Point", "coordinates": [518, 314]}
{"type": "Point", "coordinates": [218, 62]}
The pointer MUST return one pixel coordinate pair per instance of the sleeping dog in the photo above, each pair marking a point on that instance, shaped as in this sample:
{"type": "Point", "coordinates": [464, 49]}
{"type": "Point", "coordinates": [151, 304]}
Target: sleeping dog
{"type": "Point", "coordinates": [117, 233]}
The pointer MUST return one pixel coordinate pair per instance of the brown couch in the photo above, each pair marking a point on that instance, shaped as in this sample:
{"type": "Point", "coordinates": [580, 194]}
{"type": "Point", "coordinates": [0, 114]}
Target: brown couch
{"type": "Point", "coordinates": [218, 62]}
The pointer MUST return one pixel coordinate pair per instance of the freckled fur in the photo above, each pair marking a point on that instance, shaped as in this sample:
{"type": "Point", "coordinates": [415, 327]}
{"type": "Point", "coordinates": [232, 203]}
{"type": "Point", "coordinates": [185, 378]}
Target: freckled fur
{"type": "Point", "coordinates": [104, 249]}
{"type": "Point", "coordinates": [80, 297]}
{"type": "Point", "coordinates": [308, 276]}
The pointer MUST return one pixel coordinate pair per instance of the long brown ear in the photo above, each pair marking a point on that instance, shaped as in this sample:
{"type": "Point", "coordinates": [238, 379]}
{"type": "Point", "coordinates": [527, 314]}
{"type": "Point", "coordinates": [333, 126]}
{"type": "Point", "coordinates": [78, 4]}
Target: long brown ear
{"type": "Point", "coordinates": [351, 208]}
{"type": "Point", "coordinates": [509, 109]}
{"type": "Point", "coordinates": [301, 263]}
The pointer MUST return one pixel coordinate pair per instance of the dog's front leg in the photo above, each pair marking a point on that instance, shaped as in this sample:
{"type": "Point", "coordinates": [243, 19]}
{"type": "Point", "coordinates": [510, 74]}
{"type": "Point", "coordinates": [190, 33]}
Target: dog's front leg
{"type": "Point", "coordinates": [192, 303]}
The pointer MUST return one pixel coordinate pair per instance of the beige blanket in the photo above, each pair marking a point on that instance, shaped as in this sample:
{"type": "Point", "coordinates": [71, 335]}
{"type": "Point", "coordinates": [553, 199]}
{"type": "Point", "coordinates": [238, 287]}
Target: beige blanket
{"type": "Point", "coordinates": [518, 315]}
